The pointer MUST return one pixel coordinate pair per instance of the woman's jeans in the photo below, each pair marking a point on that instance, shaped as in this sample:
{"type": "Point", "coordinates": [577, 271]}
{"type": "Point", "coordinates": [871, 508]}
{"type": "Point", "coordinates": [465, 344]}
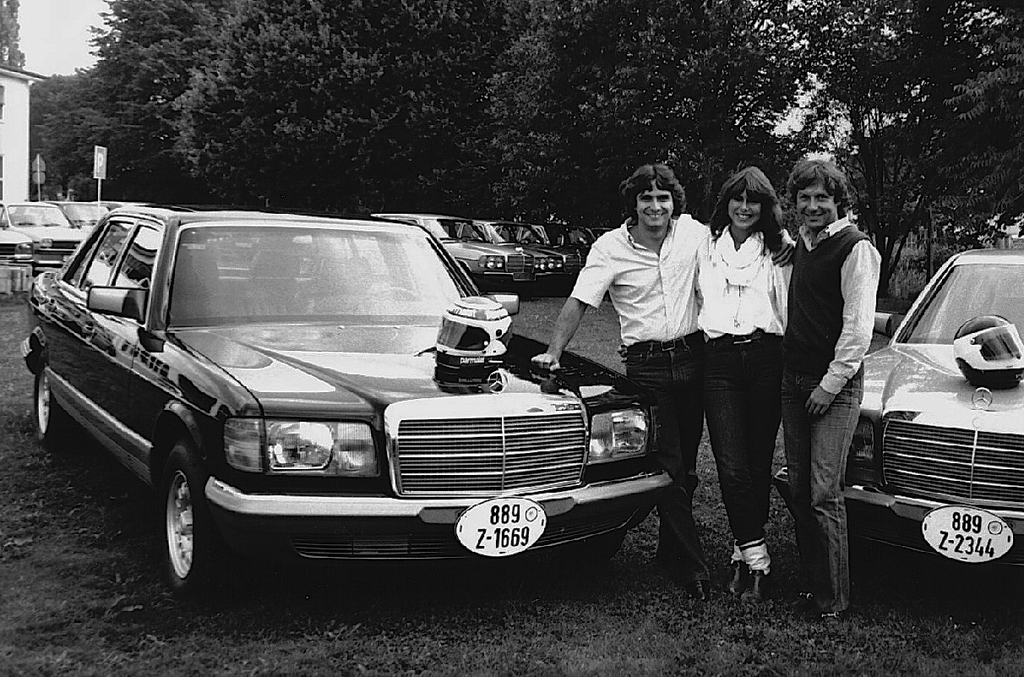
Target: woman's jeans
{"type": "Point", "coordinates": [816, 452]}
{"type": "Point", "coordinates": [742, 401]}
{"type": "Point", "coordinates": [675, 379]}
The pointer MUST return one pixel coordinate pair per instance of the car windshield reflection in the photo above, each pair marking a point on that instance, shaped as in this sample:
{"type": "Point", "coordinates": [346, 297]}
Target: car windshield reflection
{"type": "Point", "coordinates": [966, 292]}
{"type": "Point", "coordinates": [38, 217]}
{"type": "Point", "coordinates": [226, 275]}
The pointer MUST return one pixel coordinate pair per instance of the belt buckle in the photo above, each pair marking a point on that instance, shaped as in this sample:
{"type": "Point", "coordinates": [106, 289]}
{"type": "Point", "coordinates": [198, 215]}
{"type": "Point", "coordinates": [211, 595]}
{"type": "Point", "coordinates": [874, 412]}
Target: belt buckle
{"type": "Point", "coordinates": [746, 339]}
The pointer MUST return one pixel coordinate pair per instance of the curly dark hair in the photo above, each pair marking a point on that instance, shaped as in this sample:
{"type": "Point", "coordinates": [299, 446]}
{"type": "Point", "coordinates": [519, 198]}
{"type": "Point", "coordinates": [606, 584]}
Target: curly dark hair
{"type": "Point", "coordinates": [659, 175]}
{"type": "Point", "coordinates": [809, 172]}
{"type": "Point", "coordinates": [759, 189]}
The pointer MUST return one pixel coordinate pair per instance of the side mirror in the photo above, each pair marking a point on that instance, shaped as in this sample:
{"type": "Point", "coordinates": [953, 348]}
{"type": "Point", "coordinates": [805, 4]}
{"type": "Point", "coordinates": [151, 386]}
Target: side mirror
{"type": "Point", "coordinates": [509, 301]}
{"type": "Point", "coordinates": [887, 323]}
{"type": "Point", "coordinates": [118, 301]}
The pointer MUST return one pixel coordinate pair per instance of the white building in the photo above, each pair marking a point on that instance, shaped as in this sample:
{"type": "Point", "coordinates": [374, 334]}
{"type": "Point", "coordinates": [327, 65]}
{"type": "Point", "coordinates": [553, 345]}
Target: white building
{"type": "Point", "coordinates": [14, 159]}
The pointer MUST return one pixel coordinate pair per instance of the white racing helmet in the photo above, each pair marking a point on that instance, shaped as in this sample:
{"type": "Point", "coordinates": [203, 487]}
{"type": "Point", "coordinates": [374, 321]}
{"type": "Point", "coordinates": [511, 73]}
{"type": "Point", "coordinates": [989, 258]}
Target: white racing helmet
{"type": "Point", "coordinates": [989, 352]}
{"type": "Point", "coordinates": [475, 332]}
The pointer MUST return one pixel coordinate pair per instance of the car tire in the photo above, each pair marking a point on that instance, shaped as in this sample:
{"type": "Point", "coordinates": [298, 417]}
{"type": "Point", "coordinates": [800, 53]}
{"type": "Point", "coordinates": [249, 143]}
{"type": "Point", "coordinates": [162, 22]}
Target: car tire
{"type": "Point", "coordinates": [192, 549]}
{"type": "Point", "coordinates": [50, 420]}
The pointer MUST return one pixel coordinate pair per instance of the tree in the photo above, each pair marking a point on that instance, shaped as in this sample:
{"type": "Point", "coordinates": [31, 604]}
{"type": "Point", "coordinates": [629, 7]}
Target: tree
{"type": "Point", "coordinates": [590, 89]}
{"type": "Point", "coordinates": [67, 120]}
{"type": "Point", "coordinates": [10, 53]}
{"type": "Point", "coordinates": [886, 71]}
{"type": "Point", "coordinates": [366, 105]}
{"type": "Point", "coordinates": [986, 156]}
{"type": "Point", "coordinates": [146, 60]}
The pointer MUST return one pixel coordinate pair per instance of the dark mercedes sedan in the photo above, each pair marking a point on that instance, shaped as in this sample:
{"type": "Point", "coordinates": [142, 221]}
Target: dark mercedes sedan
{"type": "Point", "coordinates": [276, 379]}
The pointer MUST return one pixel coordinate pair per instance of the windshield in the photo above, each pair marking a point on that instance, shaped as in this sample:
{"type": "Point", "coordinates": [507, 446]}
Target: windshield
{"type": "Point", "coordinates": [228, 274]}
{"type": "Point", "coordinates": [85, 212]}
{"type": "Point", "coordinates": [37, 216]}
{"type": "Point", "coordinates": [966, 292]}
{"type": "Point", "coordinates": [462, 230]}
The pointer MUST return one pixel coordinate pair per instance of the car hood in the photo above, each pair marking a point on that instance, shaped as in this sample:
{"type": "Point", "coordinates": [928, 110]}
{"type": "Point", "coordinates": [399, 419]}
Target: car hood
{"type": "Point", "coordinates": [924, 380]}
{"type": "Point", "coordinates": [327, 367]}
{"type": "Point", "coordinates": [475, 249]}
{"type": "Point", "coordinates": [13, 236]}
{"type": "Point", "coordinates": [52, 232]}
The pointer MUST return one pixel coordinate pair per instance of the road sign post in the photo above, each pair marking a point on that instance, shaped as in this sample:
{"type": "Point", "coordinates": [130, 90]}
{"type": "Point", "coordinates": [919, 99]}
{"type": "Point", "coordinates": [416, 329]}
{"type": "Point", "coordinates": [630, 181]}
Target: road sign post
{"type": "Point", "coordinates": [39, 175]}
{"type": "Point", "coordinates": [99, 168]}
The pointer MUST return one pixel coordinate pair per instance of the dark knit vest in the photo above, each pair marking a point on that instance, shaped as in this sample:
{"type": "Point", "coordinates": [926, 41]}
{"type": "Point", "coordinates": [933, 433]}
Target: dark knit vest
{"type": "Point", "coordinates": [816, 302]}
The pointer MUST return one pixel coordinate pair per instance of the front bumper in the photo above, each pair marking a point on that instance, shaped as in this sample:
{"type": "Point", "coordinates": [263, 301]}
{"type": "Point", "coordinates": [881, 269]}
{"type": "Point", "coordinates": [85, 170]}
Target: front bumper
{"type": "Point", "coordinates": [386, 528]}
{"type": "Point", "coordinates": [895, 519]}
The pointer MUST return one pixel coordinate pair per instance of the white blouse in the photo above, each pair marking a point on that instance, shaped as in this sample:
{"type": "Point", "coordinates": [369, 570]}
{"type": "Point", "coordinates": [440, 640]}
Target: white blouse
{"type": "Point", "coordinates": [741, 290]}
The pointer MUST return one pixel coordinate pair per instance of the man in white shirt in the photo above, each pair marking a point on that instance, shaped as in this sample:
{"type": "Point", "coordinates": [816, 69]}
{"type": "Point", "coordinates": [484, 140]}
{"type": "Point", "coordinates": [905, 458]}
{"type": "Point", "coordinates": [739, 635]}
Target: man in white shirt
{"type": "Point", "coordinates": [648, 268]}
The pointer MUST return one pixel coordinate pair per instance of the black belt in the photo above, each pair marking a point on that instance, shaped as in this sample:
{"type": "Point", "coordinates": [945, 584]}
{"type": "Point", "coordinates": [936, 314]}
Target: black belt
{"type": "Point", "coordinates": [688, 342]}
{"type": "Point", "coordinates": [738, 340]}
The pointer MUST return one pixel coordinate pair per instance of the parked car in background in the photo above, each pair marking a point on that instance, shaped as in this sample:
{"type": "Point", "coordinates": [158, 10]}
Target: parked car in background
{"type": "Point", "coordinates": [493, 266]}
{"type": "Point", "coordinates": [937, 464]}
{"type": "Point", "coordinates": [15, 247]}
{"type": "Point", "coordinates": [278, 381]}
{"type": "Point", "coordinates": [53, 237]}
{"type": "Point", "coordinates": [82, 214]}
{"type": "Point", "coordinates": [562, 263]}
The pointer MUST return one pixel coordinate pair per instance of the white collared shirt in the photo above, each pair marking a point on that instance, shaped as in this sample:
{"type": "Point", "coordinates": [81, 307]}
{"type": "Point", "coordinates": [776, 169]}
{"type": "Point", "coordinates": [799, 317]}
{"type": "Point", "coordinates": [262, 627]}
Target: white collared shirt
{"type": "Point", "coordinates": [859, 284]}
{"type": "Point", "coordinates": [742, 289]}
{"type": "Point", "coordinates": [654, 294]}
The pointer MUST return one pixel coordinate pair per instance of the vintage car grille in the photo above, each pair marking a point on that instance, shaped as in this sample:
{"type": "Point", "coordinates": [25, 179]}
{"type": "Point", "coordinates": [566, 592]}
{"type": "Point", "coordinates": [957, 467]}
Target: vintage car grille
{"type": "Point", "coordinates": [6, 251]}
{"type": "Point", "coordinates": [953, 462]}
{"type": "Point", "coordinates": [520, 264]}
{"type": "Point", "coordinates": [489, 455]}
{"type": "Point", "coordinates": [573, 263]}
{"type": "Point", "coordinates": [442, 543]}
{"type": "Point", "coordinates": [63, 246]}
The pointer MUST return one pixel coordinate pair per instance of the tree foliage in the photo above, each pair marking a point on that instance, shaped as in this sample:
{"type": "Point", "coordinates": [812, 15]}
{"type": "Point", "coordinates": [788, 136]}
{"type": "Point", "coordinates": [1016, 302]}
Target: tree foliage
{"type": "Point", "coordinates": [362, 105]}
{"type": "Point", "coordinates": [590, 89]}
{"type": "Point", "coordinates": [10, 51]}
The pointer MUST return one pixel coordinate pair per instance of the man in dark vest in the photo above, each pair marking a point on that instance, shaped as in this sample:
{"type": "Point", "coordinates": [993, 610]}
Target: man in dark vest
{"type": "Point", "coordinates": [831, 318]}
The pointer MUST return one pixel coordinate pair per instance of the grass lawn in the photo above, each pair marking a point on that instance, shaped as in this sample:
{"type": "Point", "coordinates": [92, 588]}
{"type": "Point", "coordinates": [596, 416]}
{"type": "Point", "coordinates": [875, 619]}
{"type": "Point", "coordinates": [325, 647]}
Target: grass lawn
{"type": "Point", "coordinates": [80, 592]}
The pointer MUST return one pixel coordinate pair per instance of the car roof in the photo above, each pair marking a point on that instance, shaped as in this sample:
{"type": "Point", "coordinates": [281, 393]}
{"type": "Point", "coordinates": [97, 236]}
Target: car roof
{"type": "Point", "coordinates": [216, 215]}
{"type": "Point", "coordinates": [986, 256]}
{"type": "Point", "coordinates": [425, 215]}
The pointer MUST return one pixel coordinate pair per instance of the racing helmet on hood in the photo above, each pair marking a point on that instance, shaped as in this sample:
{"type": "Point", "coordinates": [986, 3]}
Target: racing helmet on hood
{"type": "Point", "coordinates": [989, 352]}
{"type": "Point", "coordinates": [474, 331]}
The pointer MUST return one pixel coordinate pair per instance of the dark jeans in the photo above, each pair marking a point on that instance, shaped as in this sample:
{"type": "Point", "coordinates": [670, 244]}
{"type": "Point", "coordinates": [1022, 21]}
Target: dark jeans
{"type": "Point", "coordinates": [742, 402]}
{"type": "Point", "coordinates": [816, 451]}
{"type": "Point", "coordinates": [675, 378]}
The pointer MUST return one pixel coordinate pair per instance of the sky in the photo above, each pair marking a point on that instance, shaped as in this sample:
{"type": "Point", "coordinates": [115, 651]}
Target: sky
{"type": "Point", "coordinates": [55, 34]}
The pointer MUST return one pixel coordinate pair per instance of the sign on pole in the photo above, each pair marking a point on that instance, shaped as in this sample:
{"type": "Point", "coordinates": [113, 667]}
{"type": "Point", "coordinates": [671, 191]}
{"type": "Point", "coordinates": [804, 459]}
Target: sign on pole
{"type": "Point", "coordinates": [99, 168]}
{"type": "Point", "coordinates": [39, 175]}
{"type": "Point", "coordinates": [99, 162]}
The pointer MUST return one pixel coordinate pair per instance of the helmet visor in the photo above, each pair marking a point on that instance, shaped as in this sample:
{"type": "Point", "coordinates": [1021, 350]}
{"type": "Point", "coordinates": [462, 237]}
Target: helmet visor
{"type": "Point", "coordinates": [998, 343]}
{"type": "Point", "coordinates": [459, 336]}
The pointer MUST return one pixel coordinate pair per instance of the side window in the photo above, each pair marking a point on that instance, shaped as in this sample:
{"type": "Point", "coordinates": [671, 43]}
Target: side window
{"type": "Point", "coordinates": [98, 271]}
{"type": "Point", "coordinates": [137, 265]}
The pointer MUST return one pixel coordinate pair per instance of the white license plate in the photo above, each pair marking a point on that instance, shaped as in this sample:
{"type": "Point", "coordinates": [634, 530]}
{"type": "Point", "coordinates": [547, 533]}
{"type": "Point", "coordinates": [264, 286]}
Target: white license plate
{"type": "Point", "coordinates": [501, 527]}
{"type": "Point", "coordinates": [966, 533]}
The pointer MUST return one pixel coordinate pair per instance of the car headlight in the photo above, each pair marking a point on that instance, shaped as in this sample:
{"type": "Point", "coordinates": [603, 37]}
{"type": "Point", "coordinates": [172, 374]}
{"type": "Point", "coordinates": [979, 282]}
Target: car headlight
{"type": "Point", "coordinates": [862, 465]}
{"type": "Point", "coordinates": [23, 249]}
{"type": "Point", "coordinates": [617, 435]}
{"type": "Point", "coordinates": [45, 243]}
{"type": "Point", "coordinates": [300, 447]}
{"type": "Point", "coordinates": [492, 262]}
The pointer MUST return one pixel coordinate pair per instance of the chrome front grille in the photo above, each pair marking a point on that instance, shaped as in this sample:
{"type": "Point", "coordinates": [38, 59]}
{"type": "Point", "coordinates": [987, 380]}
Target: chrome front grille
{"type": "Point", "coordinates": [958, 463]}
{"type": "Point", "coordinates": [6, 250]}
{"type": "Point", "coordinates": [64, 245]}
{"type": "Point", "coordinates": [489, 455]}
{"type": "Point", "coordinates": [573, 263]}
{"type": "Point", "coordinates": [520, 264]}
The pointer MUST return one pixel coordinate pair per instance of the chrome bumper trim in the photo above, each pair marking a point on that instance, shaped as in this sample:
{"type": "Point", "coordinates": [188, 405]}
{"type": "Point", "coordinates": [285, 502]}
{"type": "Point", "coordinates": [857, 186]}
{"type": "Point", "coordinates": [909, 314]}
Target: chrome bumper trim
{"type": "Point", "coordinates": [431, 511]}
